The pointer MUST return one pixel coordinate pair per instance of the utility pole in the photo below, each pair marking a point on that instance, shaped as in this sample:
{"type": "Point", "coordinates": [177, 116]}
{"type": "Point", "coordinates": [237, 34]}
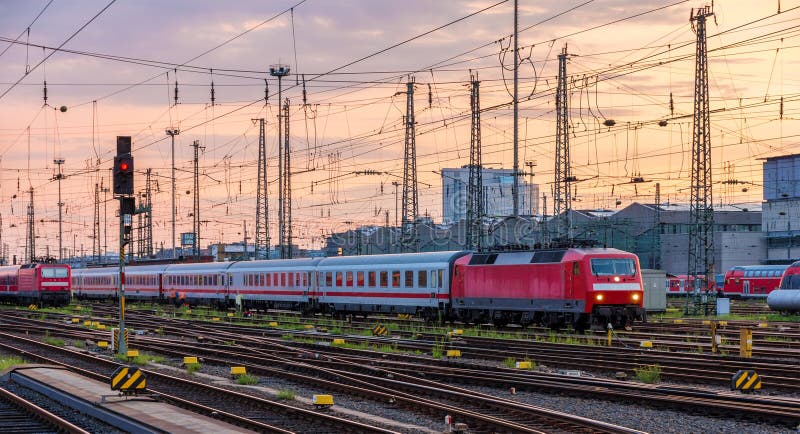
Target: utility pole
{"type": "Point", "coordinates": [245, 254]}
{"type": "Point", "coordinates": [701, 206]}
{"type": "Point", "coordinates": [562, 197]}
{"type": "Point", "coordinates": [31, 253]}
{"type": "Point", "coordinates": [515, 186]}
{"type": "Point", "coordinates": [172, 132]}
{"type": "Point", "coordinates": [410, 198]}
{"type": "Point", "coordinates": [96, 225]}
{"type": "Point", "coordinates": [396, 204]}
{"type": "Point", "coordinates": [59, 177]}
{"type": "Point", "coordinates": [530, 165]}
{"type": "Point", "coordinates": [262, 243]}
{"type": "Point", "coordinates": [656, 263]}
{"type": "Point", "coordinates": [474, 222]}
{"type": "Point", "coordinates": [280, 71]}
{"type": "Point", "coordinates": [196, 201]}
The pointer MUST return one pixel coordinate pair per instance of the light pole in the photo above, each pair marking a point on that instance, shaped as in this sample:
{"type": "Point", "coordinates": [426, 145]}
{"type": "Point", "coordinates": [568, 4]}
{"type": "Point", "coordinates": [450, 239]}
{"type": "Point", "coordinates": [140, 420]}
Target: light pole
{"type": "Point", "coordinates": [530, 165]}
{"type": "Point", "coordinates": [396, 184]}
{"type": "Point", "coordinates": [172, 132]}
{"type": "Point", "coordinates": [59, 177]}
{"type": "Point", "coordinates": [281, 71]}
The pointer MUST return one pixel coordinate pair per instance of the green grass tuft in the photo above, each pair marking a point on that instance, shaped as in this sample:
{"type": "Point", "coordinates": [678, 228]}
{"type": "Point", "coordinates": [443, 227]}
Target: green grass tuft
{"type": "Point", "coordinates": [510, 362]}
{"type": "Point", "coordinates": [6, 362]}
{"type": "Point", "coordinates": [286, 395]}
{"type": "Point", "coordinates": [191, 368]}
{"type": "Point", "coordinates": [54, 341]}
{"type": "Point", "coordinates": [648, 373]}
{"type": "Point", "coordinates": [247, 379]}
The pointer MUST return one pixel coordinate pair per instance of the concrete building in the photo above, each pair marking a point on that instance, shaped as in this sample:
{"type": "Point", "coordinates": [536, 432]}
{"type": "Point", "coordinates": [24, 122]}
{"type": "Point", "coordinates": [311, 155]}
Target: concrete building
{"type": "Point", "coordinates": [781, 215]}
{"type": "Point", "coordinates": [497, 198]}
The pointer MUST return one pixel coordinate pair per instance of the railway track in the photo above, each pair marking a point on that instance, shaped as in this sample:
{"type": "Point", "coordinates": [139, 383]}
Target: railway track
{"type": "Point", "coordinates": [20, 416]}
{"type": "Point", "coordinates": [255, 350]}
{"type": "Point", "coordinates": [248, 411]}
{"type": "Point", "coordinates": [482, 413]}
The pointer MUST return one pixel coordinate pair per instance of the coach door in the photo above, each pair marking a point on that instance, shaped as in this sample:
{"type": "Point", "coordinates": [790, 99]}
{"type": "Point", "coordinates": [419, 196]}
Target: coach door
{"type": "Point", "coordinates": [745, 287]}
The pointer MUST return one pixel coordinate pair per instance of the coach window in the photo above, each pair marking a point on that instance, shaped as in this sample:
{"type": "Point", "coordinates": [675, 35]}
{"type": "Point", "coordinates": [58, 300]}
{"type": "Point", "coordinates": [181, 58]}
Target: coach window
{"type": "Point", "coordinates": [349, 279]}
{"type": "Point", "coordinates": [422, 277]}
{"type": "Point", "coordinates": [360, 279]}
{"type": "Point", "coordinates": [371, 279]}
{"type": "Point", "coordinates": [441, 278]}
{"type": "Point", "coordinates": [384, 279]}
{"type": "Point", "coordinates": [409, 279]}
{"type": "Point", "coordinates": [329, 279]}
{"type": "Point", "coordinates": [297, 279]}
{"type": "Point", "coordinates": [433, 279]}
{"type": "Point", "coordinates": [339, 279]}
{"type": "Point", "coordinates": [395, 279]}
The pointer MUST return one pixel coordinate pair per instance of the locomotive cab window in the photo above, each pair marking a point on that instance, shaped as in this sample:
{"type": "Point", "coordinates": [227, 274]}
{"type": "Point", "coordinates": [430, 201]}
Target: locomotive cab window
{"type": "Point", "coordinates": [613, 267]}
{"type": "Point", "coordinates": [51, 273]}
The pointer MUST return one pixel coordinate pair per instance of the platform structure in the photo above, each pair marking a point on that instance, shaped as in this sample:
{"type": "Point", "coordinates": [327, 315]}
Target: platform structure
{"type": "Point", "coordinates": [95, 398]}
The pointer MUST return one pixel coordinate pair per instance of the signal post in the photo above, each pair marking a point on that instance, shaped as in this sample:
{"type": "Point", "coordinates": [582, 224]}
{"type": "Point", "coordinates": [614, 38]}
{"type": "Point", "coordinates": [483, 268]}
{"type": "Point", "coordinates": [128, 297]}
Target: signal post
{"type": "Point", "coordinates": [123, 190]}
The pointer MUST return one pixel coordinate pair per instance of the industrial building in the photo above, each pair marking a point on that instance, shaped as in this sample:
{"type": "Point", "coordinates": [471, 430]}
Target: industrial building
{"type": "Point", "coordinates": [497, 194]}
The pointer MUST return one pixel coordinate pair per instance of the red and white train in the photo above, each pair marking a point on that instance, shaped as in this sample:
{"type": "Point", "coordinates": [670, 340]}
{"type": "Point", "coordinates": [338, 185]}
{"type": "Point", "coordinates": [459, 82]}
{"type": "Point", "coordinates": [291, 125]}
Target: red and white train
{"type": "Point", "coordinates": [578, 287]}
{"type": "Point", "coordinates": [46, 284]}
{"type": "Point", "coordinates": [752, 280]}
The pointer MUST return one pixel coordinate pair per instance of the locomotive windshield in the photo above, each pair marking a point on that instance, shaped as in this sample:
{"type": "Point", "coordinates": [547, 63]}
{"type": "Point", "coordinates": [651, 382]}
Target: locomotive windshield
{"type": "Point", "coordinates": [791, 281]}
{"type": "Point", "coordinates": [51, 273]}
{"type": "Point", "coordinates": [613, 267]}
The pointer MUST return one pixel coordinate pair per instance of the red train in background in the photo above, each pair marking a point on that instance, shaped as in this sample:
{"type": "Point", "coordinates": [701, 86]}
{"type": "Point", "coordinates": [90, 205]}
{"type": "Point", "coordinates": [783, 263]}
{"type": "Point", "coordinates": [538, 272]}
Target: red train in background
{"type": "Point", "coordinates": [752, 280]}
{"type": "Point", "coordinates": [584, 288]}
{"type": "Point", "coordinates": [44, 284]}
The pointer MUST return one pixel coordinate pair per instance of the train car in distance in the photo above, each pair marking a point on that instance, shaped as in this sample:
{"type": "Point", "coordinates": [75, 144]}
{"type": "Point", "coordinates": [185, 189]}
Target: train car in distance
{"type": "Point", "coordinates": [750, 281]}
{"type": "Point", "coordinates": [45, 284]}
{"type": "Point", "coordinates": [786, 298]}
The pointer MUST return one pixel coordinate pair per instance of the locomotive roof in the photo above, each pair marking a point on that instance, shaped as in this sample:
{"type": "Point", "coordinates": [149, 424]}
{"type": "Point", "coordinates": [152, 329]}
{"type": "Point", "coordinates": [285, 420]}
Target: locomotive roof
{"type": "Point", "coordinates": [396, 259]}
{"type": "Point", "coordinates": [538, 256]}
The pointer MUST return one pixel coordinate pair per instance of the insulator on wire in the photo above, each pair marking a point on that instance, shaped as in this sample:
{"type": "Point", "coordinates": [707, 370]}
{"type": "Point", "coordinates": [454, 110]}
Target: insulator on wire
{"type": "Point", "coordinates": [45, 92]}
{"type": "Point", "coordinates": [430, 96]}
{"type": "Point", "coordinates": [176, 87]}
{"type": "Point", "coordinates": [781, 107]}
{"type": "Point", "coordinates": [212, 87]}
{"type": "Point", "coordinates": [305, 101]}
{"type": "Point", "coordinates": [266, 91]}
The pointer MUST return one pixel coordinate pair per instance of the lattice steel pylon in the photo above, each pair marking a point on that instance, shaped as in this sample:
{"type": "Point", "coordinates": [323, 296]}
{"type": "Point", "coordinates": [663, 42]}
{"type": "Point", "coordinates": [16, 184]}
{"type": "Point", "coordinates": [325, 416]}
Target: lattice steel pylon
{"type": "Point", "coordinates": [656, 255]}
{"type": "Point", "coordinates": [144, 220]}
{"type": "Point", "coordinates": [96, 224]}
{"type": "Point", "coordinates": [262, 199]}
{"type": "Point", "coordinates": [562, 186]}
{"type": "Point", "coordinates": [285, 200]}
{"type": "Point", "coordinates": [474, 224]}
{"type": "Point", "coordinates": [410, 192]}
{"type": "Point", "coordinates": [31, 250]}
{"type": "Point", "coordinates": [701, 205]}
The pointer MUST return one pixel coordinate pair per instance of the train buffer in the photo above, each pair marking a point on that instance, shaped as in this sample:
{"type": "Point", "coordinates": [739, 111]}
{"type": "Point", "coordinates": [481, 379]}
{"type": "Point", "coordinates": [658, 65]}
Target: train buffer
{"type": "Point", "coordinates": [745, 381]}
{"type": "Point", "coordinates": [380, 330]}
{"type": "Point", "coordinates": [128, 380]}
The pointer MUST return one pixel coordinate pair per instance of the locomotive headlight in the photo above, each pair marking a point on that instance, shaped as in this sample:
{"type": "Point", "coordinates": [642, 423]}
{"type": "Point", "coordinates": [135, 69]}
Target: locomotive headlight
{"type": "Point", "coordinates": [599, 297]}
{"type": "Point", "coordinates": [635, 297]}
{"type": "Point", "coordinates": [616, 278]}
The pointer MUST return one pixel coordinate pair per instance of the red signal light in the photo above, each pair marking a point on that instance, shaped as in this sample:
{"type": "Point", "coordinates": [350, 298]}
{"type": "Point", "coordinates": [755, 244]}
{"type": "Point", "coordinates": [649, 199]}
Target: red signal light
{"type": "Point", "coordinates": [123, 166]}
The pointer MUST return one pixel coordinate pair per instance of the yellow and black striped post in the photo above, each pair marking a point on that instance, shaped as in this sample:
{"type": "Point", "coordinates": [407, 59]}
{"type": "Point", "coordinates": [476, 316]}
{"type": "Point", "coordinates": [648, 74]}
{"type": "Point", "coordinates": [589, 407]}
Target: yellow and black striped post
{"type": "Point", "coordinates": [745, 381]}
{"type": "Point", "coordinates": [128, 380]}
{"type": "Point", "coordinates": [380, 330]}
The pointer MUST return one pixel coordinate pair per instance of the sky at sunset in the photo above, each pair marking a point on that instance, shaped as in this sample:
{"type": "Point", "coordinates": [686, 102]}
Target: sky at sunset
{"type": "Point", "coordinates": [116, 66]}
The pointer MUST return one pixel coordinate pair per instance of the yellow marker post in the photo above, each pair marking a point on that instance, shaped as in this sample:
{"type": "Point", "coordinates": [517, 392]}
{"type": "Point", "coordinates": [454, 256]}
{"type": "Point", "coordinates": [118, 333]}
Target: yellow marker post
{"type": "Point", "coordinates": [714, 342]}
{"type": "Point", "coordinates": [745, 343]}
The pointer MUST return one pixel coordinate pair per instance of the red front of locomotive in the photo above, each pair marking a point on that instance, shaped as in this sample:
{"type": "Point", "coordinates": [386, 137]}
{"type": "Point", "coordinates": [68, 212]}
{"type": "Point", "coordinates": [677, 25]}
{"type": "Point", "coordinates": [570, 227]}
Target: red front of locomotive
{"type": "Point", "coordinates": [54, 282]}
{"type": "Point", "coordinates": [613, 286]}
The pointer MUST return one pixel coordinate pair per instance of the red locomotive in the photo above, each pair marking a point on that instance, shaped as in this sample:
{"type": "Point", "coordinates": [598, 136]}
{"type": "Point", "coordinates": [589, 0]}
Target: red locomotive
{"type": "Point", "coordinates": [581, 287]}
{"type": "Point", "coordinates": [752, 280]}
{"type": "Point", "coordinates": [46, 284]}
